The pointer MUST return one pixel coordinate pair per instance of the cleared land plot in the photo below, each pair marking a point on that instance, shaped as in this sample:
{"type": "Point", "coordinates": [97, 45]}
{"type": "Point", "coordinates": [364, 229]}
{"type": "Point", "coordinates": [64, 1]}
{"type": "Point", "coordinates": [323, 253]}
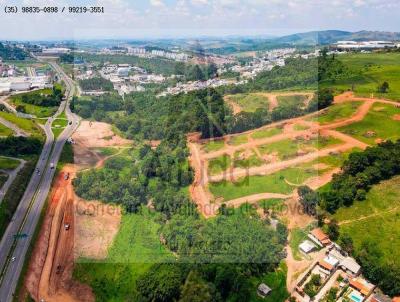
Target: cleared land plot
{"type": "Point", "coordinates": [213, 145]}
{"type": "Point", "coordinates": [295, 99]}
{"type": "Point", "coordinates": [283, 182]}
{"type": "Point", "coordinates": [375, 220]}
{"type": "Point", "coordinates": [249, 102]}
{"type": "Point", "coordinates": [273, 183]}
{"type": "Point", "coordinates": [381, 123]}
{"type": "Point", "coordinates": [371, 70]}
{"type": "Point", "coordinates": [4, 131]}
{"type": "Point", "coordinates": [238, 140]}
{"type": "Point", "coordinates": [265, 133]}
{"type": "Point", "coordinates": [288, 148]}
{"type": "Point", "coordinates": [337, 112]}
{"type": "Point", "coordinates": [246, 159]}
{"type": "Point", "coordinates": [8, 163]}
{"type": "Point", "coordinates": [135, 248]}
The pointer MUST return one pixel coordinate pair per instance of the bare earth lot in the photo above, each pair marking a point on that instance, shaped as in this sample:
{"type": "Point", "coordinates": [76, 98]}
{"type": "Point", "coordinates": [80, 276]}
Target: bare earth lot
{"type": "Point", "coordinates": [92, 225]}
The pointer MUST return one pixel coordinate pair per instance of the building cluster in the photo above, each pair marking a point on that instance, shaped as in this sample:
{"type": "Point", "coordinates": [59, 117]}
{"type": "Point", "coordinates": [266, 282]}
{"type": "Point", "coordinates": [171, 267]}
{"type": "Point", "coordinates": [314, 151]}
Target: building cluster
{"type": "Point", "coordinates": [195, 85]}
{"type": "Point", "coordinates": [143, 52]}
{"type": "Point", "coordinates": [266, 61]}
{"type": "Point", "coordinates": [55, 51]}
{"type": "Point", "coordinates": [334, 268]}
{"type": "Point", "coordinates": [12, 79]}
{"type": "Point", "coordinates": [365, 45]}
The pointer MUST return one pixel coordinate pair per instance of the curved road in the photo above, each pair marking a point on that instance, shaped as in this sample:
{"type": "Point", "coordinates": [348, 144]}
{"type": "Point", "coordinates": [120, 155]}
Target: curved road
{"type": "Point", "coordinates": [29, 209]}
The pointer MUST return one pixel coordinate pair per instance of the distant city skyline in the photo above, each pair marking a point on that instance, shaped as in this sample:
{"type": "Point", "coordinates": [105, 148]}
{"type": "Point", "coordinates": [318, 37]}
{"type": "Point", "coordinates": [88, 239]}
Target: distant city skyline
{"type": "Point", "coordinates": [124, 19]}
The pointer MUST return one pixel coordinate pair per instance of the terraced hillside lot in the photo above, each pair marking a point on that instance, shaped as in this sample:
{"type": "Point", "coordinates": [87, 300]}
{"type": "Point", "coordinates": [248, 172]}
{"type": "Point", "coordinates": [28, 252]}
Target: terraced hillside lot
{"type": "Point", "coordinates": [381, 123]}
{"type": "Point", "coordinates": [370, 70]}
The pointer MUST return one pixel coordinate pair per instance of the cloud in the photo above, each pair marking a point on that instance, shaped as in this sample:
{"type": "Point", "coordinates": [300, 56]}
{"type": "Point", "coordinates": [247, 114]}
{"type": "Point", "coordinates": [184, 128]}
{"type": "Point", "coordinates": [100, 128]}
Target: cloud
{"type": "Point", "coordinates": [157, 3]}
{"type": "Point", "coordinates": [199, 2]}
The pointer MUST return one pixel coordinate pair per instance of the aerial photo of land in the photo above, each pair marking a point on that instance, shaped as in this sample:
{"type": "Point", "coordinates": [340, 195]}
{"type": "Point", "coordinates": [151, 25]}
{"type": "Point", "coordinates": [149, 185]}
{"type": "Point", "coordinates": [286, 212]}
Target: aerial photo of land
{"type": "Point", "coordinates": [200, 150]}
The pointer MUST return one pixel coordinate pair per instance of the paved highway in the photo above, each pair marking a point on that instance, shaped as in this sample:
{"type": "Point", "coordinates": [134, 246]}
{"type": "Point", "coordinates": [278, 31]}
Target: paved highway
{"type": "Point", "coordinates": [29, 209]}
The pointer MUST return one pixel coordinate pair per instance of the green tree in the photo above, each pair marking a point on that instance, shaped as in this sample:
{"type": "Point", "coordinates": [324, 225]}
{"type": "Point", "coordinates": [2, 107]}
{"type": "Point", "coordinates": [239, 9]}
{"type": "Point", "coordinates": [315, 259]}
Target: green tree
{"type": "Point", "coordinates": [384, 87]}
{"type": "Point", "coordinates": [196, 289]}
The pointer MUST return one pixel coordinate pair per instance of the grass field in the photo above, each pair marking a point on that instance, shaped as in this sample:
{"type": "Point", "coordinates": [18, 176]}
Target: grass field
{"type": "Point", "coordinates": [264, 133]}
{"type": "Point", "coordinates": [273, 183]}
{"type": "Point", "coordinates": [337, 112]}
{"type": "Point", "coordinates": [135, 248]}
{"type": "Point", "coordinates": [250, 102]}
{"type": "Point", "coordinates": [8, 163]}
{"type": "Point", "coordinates": [380, 122]}
{"type": "Point", "coordinates": [238, 140]}
{"type": "Point", "coordinates": [382, 225]}
{"type": "Point", "coordinates": [38, 111]}
{"type": "Point", "coordinates": [219, 164]}
{"type": "Point", "coordinates": [300, 127]}
{"type": "Point", "coordinates": [288, 148]}
{"type": "Point", "coordinates": [296, 99]}
{"type": "Point", "coordinates": [370, 71]}
{"type": "Point", "coordinates": [4, 131]}
{"type": "Point", "coordinates": [276, 281]}
{"type": "Point", "coordinates": [213, 145]}
{"type": "Point", "coordinates": [251, 160]}
{"type": "Point", "coordinates": [25, 124]}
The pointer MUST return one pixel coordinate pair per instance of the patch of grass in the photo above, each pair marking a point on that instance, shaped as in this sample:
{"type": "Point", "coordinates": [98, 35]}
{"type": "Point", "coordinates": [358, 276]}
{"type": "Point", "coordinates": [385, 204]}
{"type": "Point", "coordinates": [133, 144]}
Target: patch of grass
{"type": "Point", "coordinates": [380, 229]}
{"type": "Point", "coordinates": [238, 140]}
{"type": "Point", "coordinates": [273, 183]}
{"type": "Point", "coordinates": [219, 164]}
{"type": "Point", "coordinates": [4, 131]}
{"type": "Point", "coordinates": [337, 112]}
{"type": "Point", "coordinates": [370, 70]}
{"type": "Point", "coordinates": [276, 281]}
{"type": "Point", "coordinates": [378, 123]}
{"type": "Point", "coordinates": [213, 145]}
{"type": "Point", "coordinates": [250, 102]}
{"type": "Point", "coordinates": [25, 124]}
{"type": "Point", "coordinates": [57, 131]}
{"type": "Point", "coordinates": [8, 163]}
{"type": "Point", "coordinates": [266, 133]}
{"type": "Point", "coordinates": [295, 99]}
{"type": "Point", "coordinates": [289, 148]}
{"type": "Point", "coordinates": [135, 248]}
{"type": "Point", "coordinates": [300, 127]}
{"type": "Point", "coordinates": [246, 162]}
{"type": "Point", "coordinates": [107, 151]}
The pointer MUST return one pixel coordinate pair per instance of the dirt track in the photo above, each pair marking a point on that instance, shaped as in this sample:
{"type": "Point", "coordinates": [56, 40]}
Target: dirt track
{"type": "Point", "coordinates": [92, 227]}
{"type": "Point", "coordinates": [199, 159]}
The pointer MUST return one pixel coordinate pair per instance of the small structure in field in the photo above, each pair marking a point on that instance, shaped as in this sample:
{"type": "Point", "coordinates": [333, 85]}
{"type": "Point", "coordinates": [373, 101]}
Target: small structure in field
{"type": "Point", "coordinates": [307, 247]}
{"type": "Point", "coordinates": [263, 290]}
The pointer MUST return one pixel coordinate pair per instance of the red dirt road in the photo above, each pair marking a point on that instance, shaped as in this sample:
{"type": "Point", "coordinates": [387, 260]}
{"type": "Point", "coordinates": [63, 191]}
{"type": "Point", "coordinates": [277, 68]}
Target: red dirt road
{"type": "Point", "coordinates": [199, 159]}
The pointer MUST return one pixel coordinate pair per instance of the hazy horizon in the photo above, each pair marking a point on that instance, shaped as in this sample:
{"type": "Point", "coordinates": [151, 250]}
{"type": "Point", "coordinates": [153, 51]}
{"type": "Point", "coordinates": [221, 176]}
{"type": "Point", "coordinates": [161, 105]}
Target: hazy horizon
{"type": "Point", "coordinates": [163, 19]}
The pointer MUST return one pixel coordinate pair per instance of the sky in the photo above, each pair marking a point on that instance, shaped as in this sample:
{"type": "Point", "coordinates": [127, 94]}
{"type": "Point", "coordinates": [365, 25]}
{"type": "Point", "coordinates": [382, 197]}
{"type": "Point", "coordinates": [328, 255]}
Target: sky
{"type": "Point", "coordinates": [147, 19]}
